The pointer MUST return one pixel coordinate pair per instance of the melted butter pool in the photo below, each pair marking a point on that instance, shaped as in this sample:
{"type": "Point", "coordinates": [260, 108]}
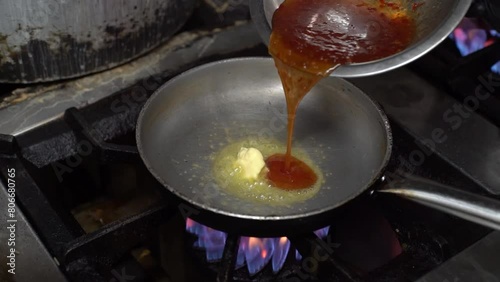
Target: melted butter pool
{"type": "Point", "coordinates": [230, 178]}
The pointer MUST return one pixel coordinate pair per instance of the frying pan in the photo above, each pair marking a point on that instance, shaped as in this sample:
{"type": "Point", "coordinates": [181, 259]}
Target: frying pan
{"type": "Point", "coordinates": [341, 128]}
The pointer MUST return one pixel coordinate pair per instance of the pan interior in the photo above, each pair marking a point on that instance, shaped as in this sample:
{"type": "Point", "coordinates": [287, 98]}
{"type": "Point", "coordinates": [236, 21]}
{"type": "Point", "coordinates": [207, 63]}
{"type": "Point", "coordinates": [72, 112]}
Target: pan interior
{"type": "Point", "coordinates": [199, 112]}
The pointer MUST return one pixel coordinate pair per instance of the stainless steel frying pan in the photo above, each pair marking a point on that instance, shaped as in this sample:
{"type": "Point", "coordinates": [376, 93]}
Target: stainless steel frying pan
{"type": "Point", "coordinates": [340, 127]}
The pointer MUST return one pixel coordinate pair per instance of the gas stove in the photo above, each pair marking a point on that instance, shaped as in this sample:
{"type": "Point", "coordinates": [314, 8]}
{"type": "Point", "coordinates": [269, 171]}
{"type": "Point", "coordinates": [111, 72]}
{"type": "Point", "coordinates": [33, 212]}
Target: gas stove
{"type": "Point", "coordinates": [86, 208]}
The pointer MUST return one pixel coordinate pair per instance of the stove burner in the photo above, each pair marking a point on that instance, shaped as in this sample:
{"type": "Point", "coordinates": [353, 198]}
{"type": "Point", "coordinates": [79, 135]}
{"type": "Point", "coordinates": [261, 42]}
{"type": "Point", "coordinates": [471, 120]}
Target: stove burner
{"type": "Point", "coordinates": [470, 37]}
{"type": "Point", "coordinates": [255, 252]}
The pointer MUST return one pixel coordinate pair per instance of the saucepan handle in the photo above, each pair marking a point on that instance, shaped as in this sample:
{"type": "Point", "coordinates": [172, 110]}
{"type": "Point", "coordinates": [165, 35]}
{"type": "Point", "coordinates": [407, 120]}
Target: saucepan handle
{"type": "Point", "coordinates": [475, 208]}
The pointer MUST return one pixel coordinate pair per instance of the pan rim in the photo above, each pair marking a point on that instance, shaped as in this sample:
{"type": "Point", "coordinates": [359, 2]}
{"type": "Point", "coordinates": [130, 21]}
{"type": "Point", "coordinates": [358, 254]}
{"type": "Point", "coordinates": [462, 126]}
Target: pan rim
{"type": "Point", "coordinates": [204, 207]}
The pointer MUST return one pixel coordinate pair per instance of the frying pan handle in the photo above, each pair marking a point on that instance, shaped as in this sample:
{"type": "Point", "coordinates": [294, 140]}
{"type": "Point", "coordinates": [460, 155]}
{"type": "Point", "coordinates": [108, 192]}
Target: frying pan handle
{"type": "Point", "coordinates": [475, 208]}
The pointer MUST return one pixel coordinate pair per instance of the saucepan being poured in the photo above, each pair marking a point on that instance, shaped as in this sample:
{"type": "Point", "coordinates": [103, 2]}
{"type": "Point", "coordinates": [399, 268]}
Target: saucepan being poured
{"type": "Point", "coordinates": [430, 22]}
{"type": "Point", "coordinates": [318, 36]}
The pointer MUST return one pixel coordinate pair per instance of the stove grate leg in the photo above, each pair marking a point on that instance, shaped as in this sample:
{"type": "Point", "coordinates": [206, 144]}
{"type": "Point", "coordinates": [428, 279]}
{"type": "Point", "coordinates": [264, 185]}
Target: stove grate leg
{"type": "Point", "coordinates": [228, 263]}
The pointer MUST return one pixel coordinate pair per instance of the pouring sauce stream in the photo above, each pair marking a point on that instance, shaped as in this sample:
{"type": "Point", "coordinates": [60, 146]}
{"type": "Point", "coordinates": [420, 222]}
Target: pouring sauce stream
{"type": "Point", "coordinates": [310, 39]}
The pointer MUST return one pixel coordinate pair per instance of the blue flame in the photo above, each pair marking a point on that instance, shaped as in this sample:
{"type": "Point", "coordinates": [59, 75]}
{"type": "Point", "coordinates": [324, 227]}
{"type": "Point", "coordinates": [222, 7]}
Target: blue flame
{"type": "Point", "coordinates": [280, 253]}
{"type": "Point", "coordinates": [253, 252]}
{"type": "Point", "coordinates": [496, 68]}
{"type": "Point", "coordinates": [322, 233]}
{"type": "Point", "coordinates": [259, 254]}
{"type": "Point", "coordinates": [469, 39]}
{"type": "Point", "coordinates": [212, 241]}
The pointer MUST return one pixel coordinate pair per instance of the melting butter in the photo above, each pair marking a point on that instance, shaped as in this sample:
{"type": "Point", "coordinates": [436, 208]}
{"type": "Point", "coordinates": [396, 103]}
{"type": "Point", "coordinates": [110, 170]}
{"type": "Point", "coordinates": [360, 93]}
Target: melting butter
{"type": "Point", "coordinates": [251, 162]}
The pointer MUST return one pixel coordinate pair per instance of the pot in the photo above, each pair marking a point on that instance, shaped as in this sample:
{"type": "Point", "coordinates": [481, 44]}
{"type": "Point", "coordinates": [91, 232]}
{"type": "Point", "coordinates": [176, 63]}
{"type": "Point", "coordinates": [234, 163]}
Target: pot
{"type": "Point", "coordinates": [57, 39]}
{"type": "Point", "coordinates": [188, 118]}
{"type": "Point", "coordinates": [435, 19]}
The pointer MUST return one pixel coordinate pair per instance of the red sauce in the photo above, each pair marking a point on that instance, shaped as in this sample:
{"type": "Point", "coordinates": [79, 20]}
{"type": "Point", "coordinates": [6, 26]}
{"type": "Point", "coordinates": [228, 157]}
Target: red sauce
{"type": "Point", "coordinates": [392, 5]}
{"type": "Point", "coordinates": [315, 36]}
{"type": "Point", "coordinates": [298, 176]}
{"type": "Point", "coordinates": [310, 39]}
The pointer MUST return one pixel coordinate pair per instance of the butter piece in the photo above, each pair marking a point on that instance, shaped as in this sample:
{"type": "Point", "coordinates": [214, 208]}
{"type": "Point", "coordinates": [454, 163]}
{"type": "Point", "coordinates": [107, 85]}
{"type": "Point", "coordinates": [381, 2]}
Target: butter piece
{"type": "Point", "coordinates": [251, 162]}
